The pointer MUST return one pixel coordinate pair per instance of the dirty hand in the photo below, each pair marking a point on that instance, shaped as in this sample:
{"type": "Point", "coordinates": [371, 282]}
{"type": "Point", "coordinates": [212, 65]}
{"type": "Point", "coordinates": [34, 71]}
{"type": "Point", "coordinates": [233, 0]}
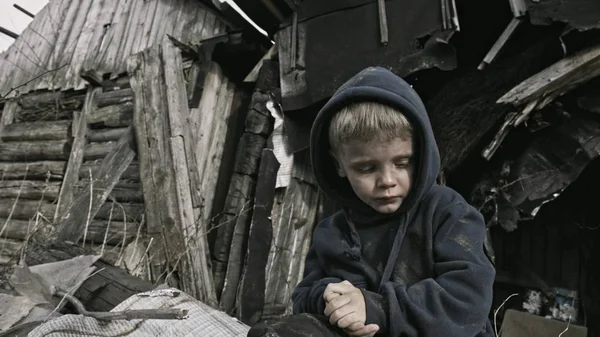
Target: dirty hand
{"type": "Point", "coordinates": [346, 309]}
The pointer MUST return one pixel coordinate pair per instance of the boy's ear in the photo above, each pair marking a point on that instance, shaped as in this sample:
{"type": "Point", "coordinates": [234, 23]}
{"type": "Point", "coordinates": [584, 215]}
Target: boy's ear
{"type": "Point", "coordinates": [336, 163]}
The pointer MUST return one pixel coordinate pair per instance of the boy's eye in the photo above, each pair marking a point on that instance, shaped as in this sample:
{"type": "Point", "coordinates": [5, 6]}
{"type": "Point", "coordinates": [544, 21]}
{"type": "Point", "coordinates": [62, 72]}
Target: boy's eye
{"type": "Point", "coordinates": [365, 169]}
{"type": "Point", "coordinates": [403, 164]}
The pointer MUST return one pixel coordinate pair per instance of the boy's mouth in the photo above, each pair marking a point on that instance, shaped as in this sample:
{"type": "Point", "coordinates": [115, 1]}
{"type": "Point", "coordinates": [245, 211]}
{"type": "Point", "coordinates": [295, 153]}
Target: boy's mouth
{"type": "Point", "coordinates": [388, 199]}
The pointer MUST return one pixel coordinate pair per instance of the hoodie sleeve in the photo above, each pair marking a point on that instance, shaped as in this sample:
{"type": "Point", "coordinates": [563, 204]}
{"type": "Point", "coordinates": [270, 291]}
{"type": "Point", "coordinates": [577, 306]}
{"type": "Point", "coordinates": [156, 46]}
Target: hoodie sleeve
{"type": "Point", "coordinates": [456, 302]}
{"type": "Point", "coordinates": [308, 295]}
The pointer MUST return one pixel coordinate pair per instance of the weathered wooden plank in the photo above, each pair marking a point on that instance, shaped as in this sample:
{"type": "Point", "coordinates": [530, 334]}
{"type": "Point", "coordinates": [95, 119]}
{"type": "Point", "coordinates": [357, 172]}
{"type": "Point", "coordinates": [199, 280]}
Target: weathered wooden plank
{"type": "Point", "coordinates": [8, 115]}
{"type": "Point", "coordinates": [29, 131]}
{"type": "Point", "coordinates": [178, 114]}
{"type": "Point", "coordinates": [557, 79]}
{"type": "Point", "coordinates": [118, 115]}
{"type": "Point", "coordinates": [210, 160]}
{"type": "Point", "coordinates": [33, 170]}
{"type": "Point", "coordinates": [102, 32]}
{"type": "Point", "coordinates": [65, 197]}
{"type": "Point", "coordinates": [251, 293]}
{"type": "Point", "coordinates": [152, 134]}
{"type": "Point", "coordinates": [105, 135]}
{"type": "Point", "coordinates": [32, 151]}
{"type": "Point", "coordinates": [106, 177]}
{"type": "Point", "coordinates": [84, 42]}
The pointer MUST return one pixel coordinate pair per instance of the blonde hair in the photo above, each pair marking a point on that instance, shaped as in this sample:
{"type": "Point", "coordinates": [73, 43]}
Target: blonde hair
{"type": "Point", "coordinates": [367, 121]}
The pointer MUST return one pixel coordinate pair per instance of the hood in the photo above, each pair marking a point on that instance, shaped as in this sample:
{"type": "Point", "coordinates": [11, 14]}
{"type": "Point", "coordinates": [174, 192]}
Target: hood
{"type": "Point", "coordinates": [380, 85]}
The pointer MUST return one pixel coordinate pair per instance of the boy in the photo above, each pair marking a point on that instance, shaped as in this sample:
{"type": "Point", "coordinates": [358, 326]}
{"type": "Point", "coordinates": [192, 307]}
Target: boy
{"type": "Point", "coordinates": [405, 256]}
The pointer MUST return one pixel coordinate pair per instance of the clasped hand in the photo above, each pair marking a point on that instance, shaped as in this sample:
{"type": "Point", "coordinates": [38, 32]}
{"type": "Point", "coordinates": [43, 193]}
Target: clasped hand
{"type": "Point", "coordinates": [345, 307]}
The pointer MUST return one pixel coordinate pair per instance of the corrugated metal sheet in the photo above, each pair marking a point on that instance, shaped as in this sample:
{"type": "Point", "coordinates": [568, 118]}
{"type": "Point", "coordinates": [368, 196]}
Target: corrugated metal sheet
{"type": "Point", "coordinates": [67, 36]}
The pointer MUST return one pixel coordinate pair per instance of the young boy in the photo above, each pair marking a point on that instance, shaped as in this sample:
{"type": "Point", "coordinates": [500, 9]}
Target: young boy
{"type": "Point", "coordinates": [405, 256]}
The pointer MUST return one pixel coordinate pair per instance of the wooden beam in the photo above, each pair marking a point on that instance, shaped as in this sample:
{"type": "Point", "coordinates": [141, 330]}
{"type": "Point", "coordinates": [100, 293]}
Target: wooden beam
{"type": "Point", "coordinates": [8, 33]}
{"type": "Point", "coordinates": [26, 12]}
{"type": "Point", "coordinates": [29, 189]}
{"type": "Point", "coordinates": [65, 198]}
{"type": "Point", "coordinates": [72, 224]}
{"type": "Point", "coordinates": [251, 293]}
{"type": "Point", "coordinates": [115, 97]}
{"type": "Point", "coordinates": [502, 40]}
{"type": "Point", "coordinates": [186, 174]}
{"type": "Point", "coordinates": [105, 135]}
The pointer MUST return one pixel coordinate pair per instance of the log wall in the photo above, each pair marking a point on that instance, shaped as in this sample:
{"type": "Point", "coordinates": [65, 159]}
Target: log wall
{"type": "Point", "coordinates": [41, 172]}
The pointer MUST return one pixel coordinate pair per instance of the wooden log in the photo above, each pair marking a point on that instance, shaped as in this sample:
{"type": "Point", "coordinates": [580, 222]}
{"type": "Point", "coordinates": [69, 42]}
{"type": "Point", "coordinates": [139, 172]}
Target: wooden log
{"type": "Point", "coordinates": [29, 189]}
{"type": "Point", "coordinates": [66, 100]}
{"type": "Point", "coordinates": [24, 209]}
{"type": "Point", "coordinates": [118, 231]}
{"type": "Point", "coordinates": [103, 290]}
{"type": "Point", "coordinates": [33, 170]}
{"type": "Point", "coordinates": [115, 97]}
{"type": "Point", "coordinates": [113, 116]}
{"type": "Point", "coordinates": [94, 151]}
{"type": "Point", "coordinates": [183, 164]}
{"type": "Point", "coordinates": [105, 135]}
{"type": "Point", "coordinates": [131, 173]}
{"type": "Point", "coordinates": [32, 151]}
{"type": "Point", "coordinates": [92, 199]}
{"type": "Point", "coordinates": [65, 198]}
{"type": "Point", "coordinates": [251, 293]}
{"type": "Point", "coordinates": [45, 130]}
{"type": "Point", "coordinates": [9, 250]}
{"type": "Point", "coordinates": [252, 145]}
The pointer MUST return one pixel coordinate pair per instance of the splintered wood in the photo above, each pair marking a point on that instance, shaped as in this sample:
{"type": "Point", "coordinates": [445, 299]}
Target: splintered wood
{"type": "Point", "coordinates": [180, 153]}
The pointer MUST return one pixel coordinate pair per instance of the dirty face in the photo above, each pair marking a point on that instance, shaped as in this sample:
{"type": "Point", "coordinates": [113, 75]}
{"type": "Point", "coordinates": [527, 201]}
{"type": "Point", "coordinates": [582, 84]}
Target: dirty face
{"type": "Point", "coordinates": [380, 172]}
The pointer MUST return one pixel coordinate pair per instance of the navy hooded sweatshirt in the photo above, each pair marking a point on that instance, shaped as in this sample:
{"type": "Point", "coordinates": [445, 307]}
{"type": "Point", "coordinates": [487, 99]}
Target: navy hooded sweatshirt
{"type": "Point", "coordinates": [433, 278]}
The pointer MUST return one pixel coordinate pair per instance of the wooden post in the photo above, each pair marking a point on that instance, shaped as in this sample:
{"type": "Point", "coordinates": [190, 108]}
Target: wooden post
{"type": "Point", "coordinates": [383, 26]}
{"type": "Point", "coordinates": [88, 203]}
{"type": "Point", "coordinates": [65, 197]}
{"type": "Point", "coordinates": [184, 164]}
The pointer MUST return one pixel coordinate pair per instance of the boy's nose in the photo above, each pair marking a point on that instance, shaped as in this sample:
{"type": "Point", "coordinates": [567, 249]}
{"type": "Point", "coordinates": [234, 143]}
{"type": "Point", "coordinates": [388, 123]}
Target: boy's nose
{"type": "Point", "coordinates": [386, 179]}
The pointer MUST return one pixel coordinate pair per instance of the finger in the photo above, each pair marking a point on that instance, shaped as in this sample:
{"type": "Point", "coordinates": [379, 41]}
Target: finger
{"type": "Point", "coordinates": [356, 326]}
{"type": "Point", "coordinates": [346, 282]}
{"type": "Point", "coordinates": [338, 314]}
{"type": "Point", "coordinates": [348, 320]}
{"type": "Point", "coordinates": [370, 330]}
{"type": "Point", "coordinates": [338, 301]}
{"type": "Point", "coordinates": [329, 297]}
{"type": "Point", "coordinates": [340, 288]}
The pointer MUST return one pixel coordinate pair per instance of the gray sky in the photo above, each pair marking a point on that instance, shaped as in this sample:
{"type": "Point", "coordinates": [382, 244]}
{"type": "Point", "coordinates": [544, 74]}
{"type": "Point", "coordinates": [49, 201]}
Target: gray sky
{"type": "Point", "coordinates": [14, 20]}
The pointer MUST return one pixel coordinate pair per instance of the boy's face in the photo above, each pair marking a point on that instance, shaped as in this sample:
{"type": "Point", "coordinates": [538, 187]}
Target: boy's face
{"type": "Point", "coordinates": [380, 172]}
